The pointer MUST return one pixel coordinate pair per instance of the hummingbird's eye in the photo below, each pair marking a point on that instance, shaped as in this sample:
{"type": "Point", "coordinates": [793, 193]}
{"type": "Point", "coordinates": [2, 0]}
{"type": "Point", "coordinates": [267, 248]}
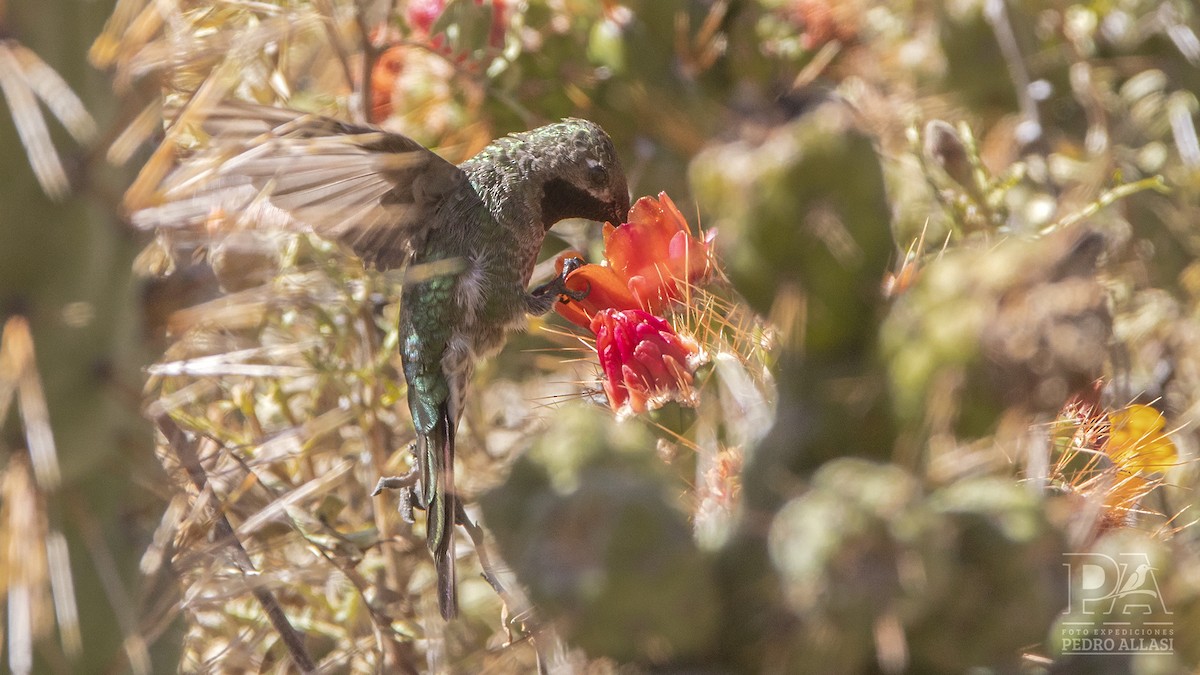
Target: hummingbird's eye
{"type": "Point", "coordinates": [597, 173]}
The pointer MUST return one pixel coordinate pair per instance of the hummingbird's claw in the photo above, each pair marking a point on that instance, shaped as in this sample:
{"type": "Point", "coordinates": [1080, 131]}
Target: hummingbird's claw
{"type": "Point", "coordinates": [543, 297]}
{"type": "Point", "coordinates": [570, 265]}
{"type": "Point", "coordinates": [394, 483]}
{"type": "Point", "coordinates": [560, 284]}
{"type": "Point", "coordinates": [577, 296]}
{"type": "Point", "coordinates": [406, 487]}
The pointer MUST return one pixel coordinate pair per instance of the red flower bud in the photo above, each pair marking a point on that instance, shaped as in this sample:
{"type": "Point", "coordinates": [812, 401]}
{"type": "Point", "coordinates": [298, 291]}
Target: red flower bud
{"type": "Point", "coordinates": [422, 14]}
{"type": "Point", "coordinates": [645, 362]}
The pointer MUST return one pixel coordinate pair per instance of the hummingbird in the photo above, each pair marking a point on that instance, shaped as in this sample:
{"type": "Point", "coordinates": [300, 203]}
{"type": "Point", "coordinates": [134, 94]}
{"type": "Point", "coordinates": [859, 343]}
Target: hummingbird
{"type": "Point", "coordinates": [479, 225]}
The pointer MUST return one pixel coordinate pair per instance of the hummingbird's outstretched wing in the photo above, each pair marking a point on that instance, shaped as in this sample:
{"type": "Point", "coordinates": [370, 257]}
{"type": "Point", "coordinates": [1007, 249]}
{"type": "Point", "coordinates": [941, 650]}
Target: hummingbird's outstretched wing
{"type": "Point", "coordinates": [272, 168]}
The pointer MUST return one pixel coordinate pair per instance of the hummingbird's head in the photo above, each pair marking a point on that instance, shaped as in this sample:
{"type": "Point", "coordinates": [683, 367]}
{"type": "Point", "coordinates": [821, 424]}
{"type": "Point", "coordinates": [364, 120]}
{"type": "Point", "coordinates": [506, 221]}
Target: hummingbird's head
{"type": "Point", "coordinates": [583, 178]}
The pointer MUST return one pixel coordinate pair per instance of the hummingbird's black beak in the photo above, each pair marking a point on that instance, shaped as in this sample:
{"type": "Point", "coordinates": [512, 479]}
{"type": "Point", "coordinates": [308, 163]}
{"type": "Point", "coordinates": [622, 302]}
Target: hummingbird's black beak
{"type": "Point", "coordinates": [619, 212]}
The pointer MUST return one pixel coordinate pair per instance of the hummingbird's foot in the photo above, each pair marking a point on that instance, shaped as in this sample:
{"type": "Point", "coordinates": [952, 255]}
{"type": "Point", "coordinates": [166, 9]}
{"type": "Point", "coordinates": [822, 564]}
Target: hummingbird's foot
{"type": "Point", "coordinates": [576, 295]}
{"type": "Point", "coordinates": [460, 516]}
{"type": "Point", "coordinates": [543, 297]}
{"type": "Point", "coordinates": [406, 487]}
{"type": "Point", "coordinates": [406, 497]}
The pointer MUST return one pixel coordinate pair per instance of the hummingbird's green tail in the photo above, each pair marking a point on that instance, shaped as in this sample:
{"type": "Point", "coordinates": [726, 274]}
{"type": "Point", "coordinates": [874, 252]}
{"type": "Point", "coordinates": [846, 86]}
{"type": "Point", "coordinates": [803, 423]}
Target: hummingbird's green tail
{"type": "Point", "coordinates": [437, 484]}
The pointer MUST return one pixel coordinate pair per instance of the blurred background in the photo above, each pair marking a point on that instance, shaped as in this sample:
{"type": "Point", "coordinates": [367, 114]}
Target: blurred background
{"type": "Point", "coordinates": [948, 340]}
{"type": "Point", "coordinates": [67, 269]}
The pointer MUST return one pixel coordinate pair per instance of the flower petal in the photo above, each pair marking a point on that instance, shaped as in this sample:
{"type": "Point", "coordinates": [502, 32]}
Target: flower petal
{"type": "Point", "coordinates": [644, 361]}
{"type": "Point", "coordinates": [1137, 442]}
{"type": "Point", "coordinates": [654, 250]}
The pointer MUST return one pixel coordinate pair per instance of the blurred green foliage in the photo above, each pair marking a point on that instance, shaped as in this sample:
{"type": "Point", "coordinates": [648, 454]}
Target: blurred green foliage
{"type": "Point", "coordinates": [588, 518]}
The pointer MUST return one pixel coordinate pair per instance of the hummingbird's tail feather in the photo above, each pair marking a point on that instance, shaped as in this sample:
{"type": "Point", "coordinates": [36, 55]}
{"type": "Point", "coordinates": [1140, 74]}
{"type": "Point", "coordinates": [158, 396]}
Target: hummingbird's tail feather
{"type": "Point", "coordinates": [447, 581]}
{"type": "Point", "coordinates": [440, 499]}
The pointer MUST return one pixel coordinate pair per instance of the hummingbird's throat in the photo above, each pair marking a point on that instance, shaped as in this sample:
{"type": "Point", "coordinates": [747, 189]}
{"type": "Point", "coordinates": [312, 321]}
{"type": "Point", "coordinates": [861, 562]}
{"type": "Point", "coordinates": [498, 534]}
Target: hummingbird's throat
{"type": "Point", "coordinates": [562, 199]}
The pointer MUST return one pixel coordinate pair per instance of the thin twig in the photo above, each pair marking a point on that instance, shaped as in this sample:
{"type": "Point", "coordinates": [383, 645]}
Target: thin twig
{"type": "Point", "coordinates": [1109, 197]}
{"type": "Point", "coordinates": [328, 18]}
{"type": "Point", "coordinates": [186, 453]}
{"type": "Point", "coordinates": [996, 13]}
{"type": "Point", "coordinates": [369, 55]}
{"type": "Point", "coordinates": [396, 656]}
{"type": "Point", "coordinates": [516, 606]}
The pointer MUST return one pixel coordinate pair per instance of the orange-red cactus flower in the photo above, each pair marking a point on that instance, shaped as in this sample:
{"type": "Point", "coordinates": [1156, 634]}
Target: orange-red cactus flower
{"type": "Point", "coordinates": [648, 262]}
{"type": "Point", "coordinates": [655, 251]}
{"type": "Point", "coordinates": [383, 82]}
{"type": "Point", "coordinates": [645, 362]}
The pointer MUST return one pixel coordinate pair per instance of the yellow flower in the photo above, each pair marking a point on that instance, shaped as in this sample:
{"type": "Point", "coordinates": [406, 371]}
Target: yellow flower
{"type": "Point", "coordinates": [1137, 442]}
{"type": "Point", "coordinates": [1139, 448]}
